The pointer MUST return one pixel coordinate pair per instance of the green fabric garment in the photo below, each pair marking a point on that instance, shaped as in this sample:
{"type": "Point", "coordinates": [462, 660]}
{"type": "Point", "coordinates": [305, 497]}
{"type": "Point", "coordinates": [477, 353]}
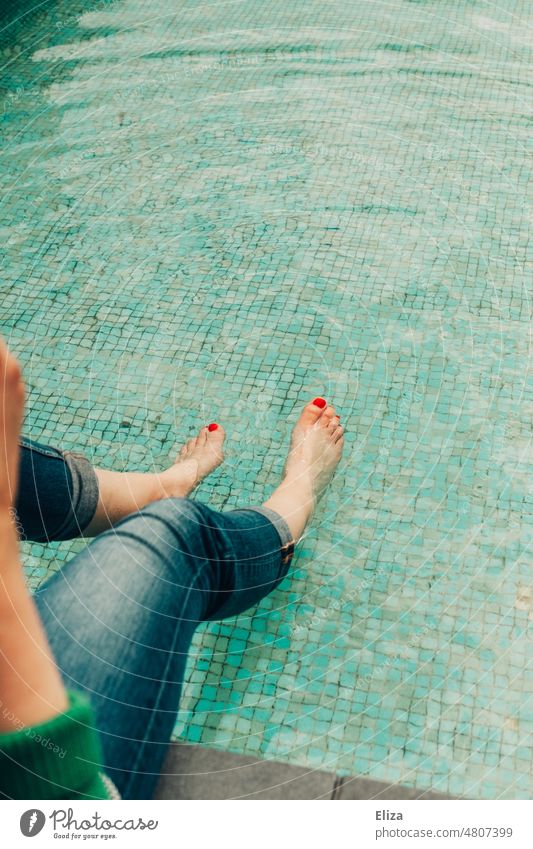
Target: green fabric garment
{"type": "Point", "coordinates": [58, 759]}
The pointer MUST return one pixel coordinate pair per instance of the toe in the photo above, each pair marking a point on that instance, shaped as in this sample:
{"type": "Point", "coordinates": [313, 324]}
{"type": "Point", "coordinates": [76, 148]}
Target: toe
{"type": "Point", "coordinates": [215, 442]}
{"type": "Point", "coordinates": [215, 436]}
{"type": "Point", "coordinates": [312, 411]}
{"type": "Point", "coordinates": [338, 433]}
{"type": "Point", "coordinates": [190, 445]}
{"type": "Point", "coordinates": [214, 433]}
{"type": "Point", "coordinates": [327, 417]}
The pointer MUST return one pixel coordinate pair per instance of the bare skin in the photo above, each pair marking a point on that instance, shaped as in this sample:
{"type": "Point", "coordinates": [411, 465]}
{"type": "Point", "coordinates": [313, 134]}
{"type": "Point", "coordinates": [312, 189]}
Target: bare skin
{"type": "Point", "coordinates": [316, 448]}
{"type": "Point", "coordinates": [123, 493]}
{"type": "Point", "coordinates": [31, 687]}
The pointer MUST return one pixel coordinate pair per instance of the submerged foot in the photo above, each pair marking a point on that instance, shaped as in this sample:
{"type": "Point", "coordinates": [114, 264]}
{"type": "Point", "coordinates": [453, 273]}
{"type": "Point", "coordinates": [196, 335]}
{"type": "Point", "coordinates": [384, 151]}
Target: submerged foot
{"type": "Point", "coordinates": [316, 447]}
{"type": "Point", "coordinates": [11, 411]}
{"type": "Point", "coordinates": [199, 457]}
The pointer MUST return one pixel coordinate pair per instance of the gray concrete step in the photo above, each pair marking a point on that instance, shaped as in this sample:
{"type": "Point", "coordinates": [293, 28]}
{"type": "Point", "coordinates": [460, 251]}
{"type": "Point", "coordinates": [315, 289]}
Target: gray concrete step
{"type": "Point", "coordinates": [196, 772]}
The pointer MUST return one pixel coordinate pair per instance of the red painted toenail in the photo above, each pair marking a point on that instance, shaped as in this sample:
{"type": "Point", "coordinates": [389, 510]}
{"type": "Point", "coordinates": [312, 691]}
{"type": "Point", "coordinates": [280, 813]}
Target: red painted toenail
{"type": "Point", "coordinates": [338, 417]}
{"type": "Point", "coordinates": [212, 426]}
{"type": "Point", "coordinates": [320, 402]}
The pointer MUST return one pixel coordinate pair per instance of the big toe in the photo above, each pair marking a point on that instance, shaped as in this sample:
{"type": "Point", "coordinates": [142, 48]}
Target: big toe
{"type": "Point", "coordinates": [215, 435]}
{"type": "Point", "coordinates": [312, 412]}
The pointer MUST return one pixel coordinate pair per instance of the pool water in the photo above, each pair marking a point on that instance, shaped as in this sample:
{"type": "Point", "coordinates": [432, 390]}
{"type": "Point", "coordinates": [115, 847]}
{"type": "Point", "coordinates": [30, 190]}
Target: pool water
{"type": "Point", "coordinates": [213, 212]}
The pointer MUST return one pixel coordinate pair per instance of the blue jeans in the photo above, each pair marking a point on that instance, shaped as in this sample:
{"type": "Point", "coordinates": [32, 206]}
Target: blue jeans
{"type": "Point", "coordinates": [120, 615]}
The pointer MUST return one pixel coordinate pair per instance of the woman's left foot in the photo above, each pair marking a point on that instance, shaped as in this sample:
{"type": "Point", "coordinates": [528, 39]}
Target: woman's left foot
{"type": "Point", "coordinates": [198, 458]}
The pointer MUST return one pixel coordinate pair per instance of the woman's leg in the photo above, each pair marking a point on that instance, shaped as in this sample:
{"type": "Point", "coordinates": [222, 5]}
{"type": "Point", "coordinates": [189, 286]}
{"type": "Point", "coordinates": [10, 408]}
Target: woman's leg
{"type": "Point", "coordinates": [61, 496]}
{"type": "Point", "coordinates": [120, 616]}
{"type": "Point", "coordinates": [57, 495]}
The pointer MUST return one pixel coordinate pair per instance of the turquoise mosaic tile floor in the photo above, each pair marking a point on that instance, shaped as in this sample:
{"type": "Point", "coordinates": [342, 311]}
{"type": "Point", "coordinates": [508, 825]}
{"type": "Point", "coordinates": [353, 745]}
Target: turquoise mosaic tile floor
{"type": "Point", "coordinates": [213, 211]}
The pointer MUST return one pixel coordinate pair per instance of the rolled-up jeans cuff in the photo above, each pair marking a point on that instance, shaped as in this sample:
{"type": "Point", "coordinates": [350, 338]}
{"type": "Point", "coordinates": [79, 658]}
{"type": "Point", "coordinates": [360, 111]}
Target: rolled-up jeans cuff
{"type": "Point", "coordinates": [85, 493]}
{"type": "Point", "coordinates": [286, 538]}
{"type": "Point", "coordinates": [58, 493]}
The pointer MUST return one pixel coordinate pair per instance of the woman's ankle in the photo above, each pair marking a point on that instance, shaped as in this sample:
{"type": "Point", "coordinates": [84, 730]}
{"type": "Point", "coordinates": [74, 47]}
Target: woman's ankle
{"type": "Point", "coordinates": [294, 501]}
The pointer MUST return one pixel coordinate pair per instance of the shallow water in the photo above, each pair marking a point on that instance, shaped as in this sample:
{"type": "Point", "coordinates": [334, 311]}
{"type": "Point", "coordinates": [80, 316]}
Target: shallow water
{"type": "Point", "coordinates": [211, 212]}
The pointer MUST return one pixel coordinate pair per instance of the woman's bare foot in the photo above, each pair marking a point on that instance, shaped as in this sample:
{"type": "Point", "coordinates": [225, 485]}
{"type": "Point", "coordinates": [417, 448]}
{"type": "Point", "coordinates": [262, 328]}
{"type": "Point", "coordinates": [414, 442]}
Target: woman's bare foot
{"type": "Point", "coordinates": [316, 447]}
{"type": "Point", "coordinates": [198, 458]}
{"type": "Point", "coordinates": [124, 493]}
{"type": "Point", "coordinates": [11, 412]}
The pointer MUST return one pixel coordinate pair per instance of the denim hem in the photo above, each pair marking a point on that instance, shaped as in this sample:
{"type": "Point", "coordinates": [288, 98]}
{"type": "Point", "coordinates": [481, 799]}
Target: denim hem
{"type": "Point", "coordinates": [286, 538]}
{"type": "Point", "coordinates": [58, 493]}
{"type": "Point", "coordinates": [85, 490]}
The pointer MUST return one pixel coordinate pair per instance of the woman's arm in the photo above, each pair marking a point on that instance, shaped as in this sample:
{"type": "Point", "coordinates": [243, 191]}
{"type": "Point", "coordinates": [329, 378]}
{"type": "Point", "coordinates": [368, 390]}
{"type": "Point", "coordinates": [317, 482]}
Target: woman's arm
{"type": "Point", "coordinates": [31, 689]}
{"type": "Point", "coordinates": [48, 746]}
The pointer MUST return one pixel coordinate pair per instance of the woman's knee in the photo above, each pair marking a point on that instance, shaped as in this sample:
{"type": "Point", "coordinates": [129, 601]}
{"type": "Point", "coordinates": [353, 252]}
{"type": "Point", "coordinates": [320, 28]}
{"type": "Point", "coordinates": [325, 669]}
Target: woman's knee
{"type": "Point", "coordinates": [239, 551]}
{"type": "Point", "coordinates": [58, 493]}
{"type": "Point", "coordinates": [178, 534]}
{"type": "Point", "coordinates": [170, 521]}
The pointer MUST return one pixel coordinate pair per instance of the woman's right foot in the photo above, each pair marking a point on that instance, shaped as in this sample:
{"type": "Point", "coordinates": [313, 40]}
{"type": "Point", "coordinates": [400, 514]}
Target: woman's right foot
{"type": "Point", "coordinates": [316, 447]}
